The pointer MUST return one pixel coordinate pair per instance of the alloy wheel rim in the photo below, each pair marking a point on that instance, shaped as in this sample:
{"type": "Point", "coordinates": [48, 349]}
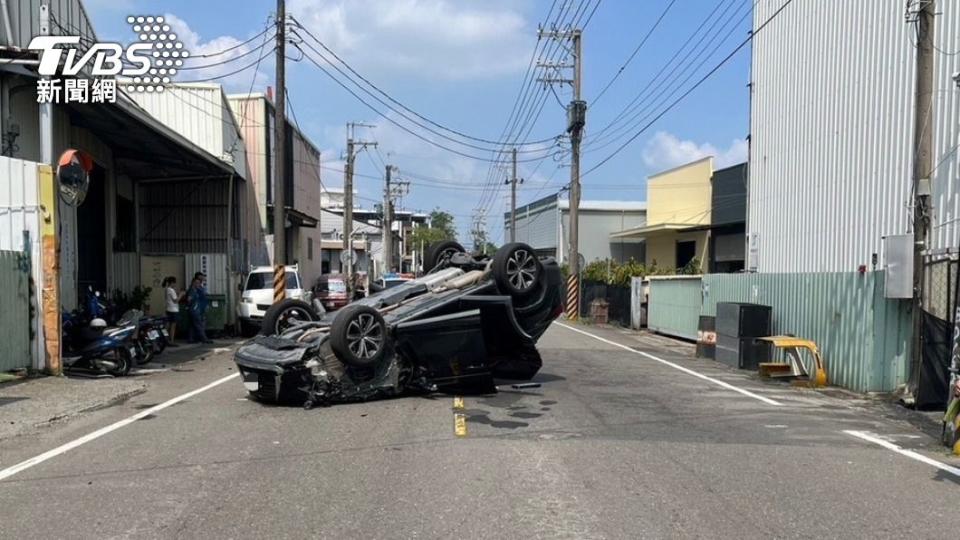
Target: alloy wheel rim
{"type": "Point", "coordinates": [364, 336]}
{"type": "Point", "coordinates": [446, 254]}
{"type": "Point", "coordinates": [521, 269]}
{"type": "Point", "coordinates": [288, 318]}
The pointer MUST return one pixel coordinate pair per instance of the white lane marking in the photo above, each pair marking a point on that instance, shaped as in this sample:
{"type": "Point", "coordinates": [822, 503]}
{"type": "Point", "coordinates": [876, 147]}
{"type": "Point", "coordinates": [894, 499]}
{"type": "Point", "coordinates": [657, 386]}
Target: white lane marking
{"type": "Point", "coordinates": [903, 452]}
{"type": "Point", "coordinates": [24, 465]}
{"type": "Point", "coordinates": [676, 366]}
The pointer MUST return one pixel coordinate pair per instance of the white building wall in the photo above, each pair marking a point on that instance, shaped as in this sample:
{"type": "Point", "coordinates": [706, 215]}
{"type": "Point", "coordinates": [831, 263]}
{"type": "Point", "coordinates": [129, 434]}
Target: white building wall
{"type": "Point", "coordinates": [832, 130]}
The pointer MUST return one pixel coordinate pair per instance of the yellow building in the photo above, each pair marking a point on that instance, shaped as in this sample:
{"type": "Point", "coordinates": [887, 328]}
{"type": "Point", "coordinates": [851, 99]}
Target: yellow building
{"type": "Point", "coordinates": [678, 216]}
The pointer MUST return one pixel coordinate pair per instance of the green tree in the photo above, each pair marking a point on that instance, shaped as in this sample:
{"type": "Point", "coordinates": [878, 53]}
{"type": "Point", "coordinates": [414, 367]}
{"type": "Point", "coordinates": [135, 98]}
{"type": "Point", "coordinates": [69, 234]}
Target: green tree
{"type": "Point", "coordinates": [443, 221]}
{"type": "Point", "coordinates": [440, 228]}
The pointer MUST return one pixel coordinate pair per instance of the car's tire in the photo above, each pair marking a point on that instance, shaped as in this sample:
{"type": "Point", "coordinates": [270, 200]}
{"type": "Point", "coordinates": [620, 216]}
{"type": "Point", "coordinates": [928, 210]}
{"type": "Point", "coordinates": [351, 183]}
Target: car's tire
{"type": "Point", "coordinates": [439, 252]}
{"type": "Point", "coordinates": [123, 363]}
{"type": "Point", "coordinates": [517, 270]}
{"type": "Point", "coordinates": [284, 314]}
{"type": "Point", "coordinates": [359, 337]}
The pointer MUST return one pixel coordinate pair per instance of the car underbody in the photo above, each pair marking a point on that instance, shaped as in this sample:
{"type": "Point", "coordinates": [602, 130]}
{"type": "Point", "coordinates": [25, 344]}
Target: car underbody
{"type": "Point", "coordinates": [455, 329]}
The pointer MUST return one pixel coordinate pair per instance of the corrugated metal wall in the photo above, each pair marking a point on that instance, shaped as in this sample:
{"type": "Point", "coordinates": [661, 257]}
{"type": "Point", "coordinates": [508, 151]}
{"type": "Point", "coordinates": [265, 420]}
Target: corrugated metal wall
{"type": "Point", "coordinates": [124, 272]}
{"type": "Point", "coordinates": [201, 113]}
{"type": "Point", "coordinates": [14, 319]}
{"type": "Point", "coordinates": [188, 219]}
{"type": "Point", "coordinates": [19, 213]}
{"type": "Point", "coordinates": [831, 132]}
{"type": "Point", "coordinates": [536, 226]}
{"type": "Point", "coordinates": [674, 306]}
{"type": "Point", "coordinates": [213, 264]}
{"type": "Point", "coordinates": [69, 18]}
{"type": "Point", "coordinates": [863, 336]}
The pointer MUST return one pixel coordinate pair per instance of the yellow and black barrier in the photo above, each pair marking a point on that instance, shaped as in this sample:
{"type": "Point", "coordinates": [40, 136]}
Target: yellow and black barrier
{"type": "Point", "coordinates": [279, 283]}
{"type": "Point", "coordinates": [573, 298]}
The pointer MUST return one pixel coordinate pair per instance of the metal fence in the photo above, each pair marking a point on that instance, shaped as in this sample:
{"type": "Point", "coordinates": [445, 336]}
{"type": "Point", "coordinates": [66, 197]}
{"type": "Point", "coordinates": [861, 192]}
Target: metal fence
{"type": "Point", "coordinates": [618, 300]}
{"type": "Point", "coordinates": [863, 336]}
{"type": "Point", "coordinates": [939, 301]}
{"type": "Point", "coordinates": [674, 305]}
{"type": "Point", "coordinates": [15, 315]}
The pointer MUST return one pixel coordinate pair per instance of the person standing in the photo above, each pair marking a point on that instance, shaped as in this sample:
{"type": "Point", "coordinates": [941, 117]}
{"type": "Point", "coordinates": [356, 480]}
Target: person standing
{"type": "Point", "coordinates": [197, 306]}
{"type": "Point", "coordinates": [172, 299]}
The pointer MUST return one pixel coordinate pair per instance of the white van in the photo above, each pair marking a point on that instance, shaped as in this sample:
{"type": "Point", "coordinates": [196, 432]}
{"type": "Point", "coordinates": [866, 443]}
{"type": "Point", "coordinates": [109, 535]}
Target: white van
{"type": "Point", "coordinates": [257, 295]}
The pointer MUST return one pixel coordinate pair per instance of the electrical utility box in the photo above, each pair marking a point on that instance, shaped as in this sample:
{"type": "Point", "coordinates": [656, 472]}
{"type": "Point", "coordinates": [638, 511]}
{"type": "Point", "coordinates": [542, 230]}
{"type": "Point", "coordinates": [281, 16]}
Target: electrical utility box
{"type": "Point", "coordinates": [898, 266]}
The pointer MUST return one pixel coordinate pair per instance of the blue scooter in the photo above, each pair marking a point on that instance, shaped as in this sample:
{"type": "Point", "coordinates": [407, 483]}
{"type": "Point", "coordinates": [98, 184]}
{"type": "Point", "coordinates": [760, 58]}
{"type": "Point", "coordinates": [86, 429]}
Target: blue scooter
{"type": "Point", "coordinates": [95, 346]}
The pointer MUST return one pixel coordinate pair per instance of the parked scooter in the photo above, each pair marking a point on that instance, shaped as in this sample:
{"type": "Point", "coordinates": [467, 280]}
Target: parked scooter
{"type": "Point", "coordinates": [95, 346]}
{"type": "Point", "coordinates": [145, 338]}
{"type": "Point", "coordinates": [158, 325]}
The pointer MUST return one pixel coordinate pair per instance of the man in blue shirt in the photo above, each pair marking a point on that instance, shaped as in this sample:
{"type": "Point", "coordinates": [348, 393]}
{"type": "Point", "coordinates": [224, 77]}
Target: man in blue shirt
{"type": "Point", "coordinates": [197, 308]}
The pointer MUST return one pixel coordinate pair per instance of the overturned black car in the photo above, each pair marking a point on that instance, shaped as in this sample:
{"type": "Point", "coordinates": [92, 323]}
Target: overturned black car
{"type": "Point", "coordinates": [468, 320]}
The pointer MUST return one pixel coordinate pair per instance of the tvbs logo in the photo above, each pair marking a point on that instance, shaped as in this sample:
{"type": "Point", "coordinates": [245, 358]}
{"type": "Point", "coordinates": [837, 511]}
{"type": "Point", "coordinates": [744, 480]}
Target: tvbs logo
{"type": "Point", "coordinates": [89, 70]}
{"type": "Point", "coordinates": [104, 59]}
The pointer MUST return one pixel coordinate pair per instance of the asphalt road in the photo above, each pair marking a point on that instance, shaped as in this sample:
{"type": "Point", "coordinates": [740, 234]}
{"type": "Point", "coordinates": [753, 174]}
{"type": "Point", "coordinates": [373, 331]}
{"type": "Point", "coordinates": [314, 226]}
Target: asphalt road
{"type": "Point", "coordinates": [614, 444]}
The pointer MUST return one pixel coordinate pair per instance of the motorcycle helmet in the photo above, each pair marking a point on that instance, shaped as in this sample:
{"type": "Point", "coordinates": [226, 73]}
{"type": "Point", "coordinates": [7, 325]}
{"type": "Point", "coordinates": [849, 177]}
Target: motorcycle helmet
{"type": "Point", "coordinates": [98, 323]}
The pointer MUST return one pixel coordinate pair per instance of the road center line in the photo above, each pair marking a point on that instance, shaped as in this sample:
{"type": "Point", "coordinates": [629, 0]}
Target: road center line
{"type": "Point", "coordinates": [675, 366]}
{"type": "Point", "coordinates": [24, 465]}
{"type": "Point", "coordinates": [903, 452]}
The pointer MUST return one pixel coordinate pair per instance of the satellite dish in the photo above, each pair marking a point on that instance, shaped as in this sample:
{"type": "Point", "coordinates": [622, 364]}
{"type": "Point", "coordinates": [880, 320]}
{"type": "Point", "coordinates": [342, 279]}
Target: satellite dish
{"type": "Point", "coordinates": [73, 176]}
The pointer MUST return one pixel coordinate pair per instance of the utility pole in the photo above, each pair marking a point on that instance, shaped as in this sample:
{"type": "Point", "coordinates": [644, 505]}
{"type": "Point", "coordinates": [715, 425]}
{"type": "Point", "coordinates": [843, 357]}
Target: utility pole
{"type": "Point", "coordinates": [279, 161]}
{"type": "Point", "coordinates": [576, 119]}
{"type": "Point", "coordinates": [352, 145]}
{"type": "Point", "coordinates": [387, 222]}
{"type": "Point", "coordinates": [513, 198]}
{"type": "Point", "coordinates": [923, 129]}
{"type": "Point", "coordinates": [479, 223]}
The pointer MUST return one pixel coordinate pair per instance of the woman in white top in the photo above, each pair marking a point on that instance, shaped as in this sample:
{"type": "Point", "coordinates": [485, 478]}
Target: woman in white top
{"type": "Point", "coordinates": [172, 299]}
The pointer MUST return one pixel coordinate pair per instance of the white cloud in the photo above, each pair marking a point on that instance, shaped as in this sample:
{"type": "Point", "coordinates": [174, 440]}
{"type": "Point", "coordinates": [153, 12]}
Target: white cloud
{"type": "Point", "coordinates": [438, 39]}
{"type": "Point", "coordinates": [221, 65]}
{"type": "Point", "coordinates": [665, 150]}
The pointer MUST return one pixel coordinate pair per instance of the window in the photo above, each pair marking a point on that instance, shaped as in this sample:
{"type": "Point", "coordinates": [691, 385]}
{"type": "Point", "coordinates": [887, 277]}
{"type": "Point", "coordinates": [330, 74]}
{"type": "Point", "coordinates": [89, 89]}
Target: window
{"type": "Point", "coordinates": [309, 249]}
{"type": "Point", "coordinates": [264, 280]}
{"type": "Point", "coordinates": [686, 251]}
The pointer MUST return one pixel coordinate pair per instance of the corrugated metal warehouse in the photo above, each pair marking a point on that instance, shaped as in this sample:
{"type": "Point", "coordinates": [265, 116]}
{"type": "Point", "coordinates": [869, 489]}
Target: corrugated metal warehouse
{"type": "Point", "coordinates": [544, 224]}
{"type": "Point", "coordinates": [832, 132]}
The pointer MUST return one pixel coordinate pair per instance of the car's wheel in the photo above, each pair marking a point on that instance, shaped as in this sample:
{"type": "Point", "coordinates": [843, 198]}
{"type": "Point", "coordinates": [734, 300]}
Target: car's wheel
{"type": "Point", "coordinates": [358, 336]}
{"type": "Point", "coordinates": [122, 362]}
{"type": "Point", "coordinates": [440, 252]}
{"type": "Point", "coordinates": [517, 270]}
{"type": "Point", "coordinates": [284, 315]}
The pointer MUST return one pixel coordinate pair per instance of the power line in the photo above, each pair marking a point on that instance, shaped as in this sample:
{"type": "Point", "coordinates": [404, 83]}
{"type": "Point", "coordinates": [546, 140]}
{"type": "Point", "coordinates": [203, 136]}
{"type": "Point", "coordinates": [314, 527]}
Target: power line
{"type": "Point", "coordinates": [244, 68]}
{"type": "Point", "coordinates": [393, 109]}
{"type": "Point", "coordinates": [391, 120]}
{"type": "Point", "coordinates": [691, 89]}
{"type": "Point", "coordinates": [401, 105]}
{"type": "Point", "coordinates": [634, 53]}
{"type": "Point", "coordinates": [634, 109]}
{"type": "Point", "coordinates": [529, 121]}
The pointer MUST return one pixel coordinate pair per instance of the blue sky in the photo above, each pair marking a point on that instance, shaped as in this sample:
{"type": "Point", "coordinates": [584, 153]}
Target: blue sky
{"type": "Point", "coordinates": [461, 63]}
